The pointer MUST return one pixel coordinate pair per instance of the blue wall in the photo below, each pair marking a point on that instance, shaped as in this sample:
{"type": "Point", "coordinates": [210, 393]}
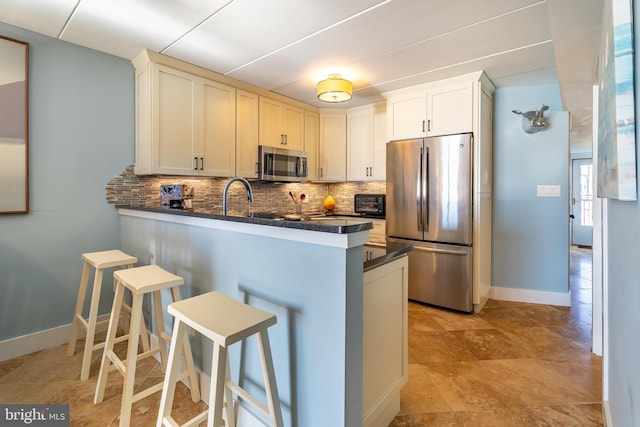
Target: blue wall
{"type": "Point", "coordinates": [530, 233]}
{"type": "Point", "coordinates": [624, 291]}
{"type": "Point", "coordinates": [81, 134]}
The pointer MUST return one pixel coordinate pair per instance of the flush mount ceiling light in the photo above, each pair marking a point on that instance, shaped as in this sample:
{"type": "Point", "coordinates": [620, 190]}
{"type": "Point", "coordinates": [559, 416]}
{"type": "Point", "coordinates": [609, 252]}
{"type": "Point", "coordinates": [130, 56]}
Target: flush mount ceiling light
{"type": "Point", "coordinates": [533, 121]}
{"type": "Point", "coordinates": [334, 89]}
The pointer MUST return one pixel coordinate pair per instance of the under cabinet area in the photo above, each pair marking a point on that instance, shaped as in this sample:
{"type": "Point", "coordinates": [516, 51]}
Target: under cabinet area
{"type": "Point", "coordinates": [281, 125]}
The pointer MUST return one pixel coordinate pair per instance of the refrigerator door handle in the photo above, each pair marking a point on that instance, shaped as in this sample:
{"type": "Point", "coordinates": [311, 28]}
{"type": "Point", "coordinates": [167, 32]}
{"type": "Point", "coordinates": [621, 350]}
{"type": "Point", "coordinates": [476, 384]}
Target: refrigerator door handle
{"type": "Point", "coordinates": [420, 193]}
{"type": "Point", "coordinates": [440, 251]}
{"type": "Point", "coordinates": [424, 194]}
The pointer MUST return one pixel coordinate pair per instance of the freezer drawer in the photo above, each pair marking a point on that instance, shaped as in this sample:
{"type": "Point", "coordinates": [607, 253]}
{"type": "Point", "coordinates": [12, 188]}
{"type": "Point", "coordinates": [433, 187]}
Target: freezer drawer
{"type": "Point", "coordinates": [440, 274]}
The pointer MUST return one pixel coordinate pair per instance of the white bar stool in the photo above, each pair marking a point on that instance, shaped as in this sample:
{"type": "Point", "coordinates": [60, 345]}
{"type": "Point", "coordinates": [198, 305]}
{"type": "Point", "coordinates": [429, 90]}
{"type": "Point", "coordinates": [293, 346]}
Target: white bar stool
{"type": "Point", "coordinates": [225, 321]}
{"type": "Point", "coordinates": [99, 261]}
{"type": "Point", "coordinates": [141, 281]}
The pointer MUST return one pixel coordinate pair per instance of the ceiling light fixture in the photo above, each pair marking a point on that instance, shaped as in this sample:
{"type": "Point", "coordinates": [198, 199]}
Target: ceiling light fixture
{"type": "Point", "coordinates": [334, 89]}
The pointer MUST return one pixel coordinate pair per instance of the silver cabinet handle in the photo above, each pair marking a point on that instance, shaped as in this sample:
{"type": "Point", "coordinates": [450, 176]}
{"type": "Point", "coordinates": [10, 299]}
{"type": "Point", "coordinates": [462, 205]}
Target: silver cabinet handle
{"type": "Point", "coordinates": [195, 162]}
{"type": "Point", "coordinates": [423, 125]}
{"type": "Point", "coordinates": [428, 125]}
{"type": "Point", "coordinates": [201, 163]}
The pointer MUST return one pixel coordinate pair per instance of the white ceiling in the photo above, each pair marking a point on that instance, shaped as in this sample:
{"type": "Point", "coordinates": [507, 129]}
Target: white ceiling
{"type": "Point", "coordinates": [287, 46]}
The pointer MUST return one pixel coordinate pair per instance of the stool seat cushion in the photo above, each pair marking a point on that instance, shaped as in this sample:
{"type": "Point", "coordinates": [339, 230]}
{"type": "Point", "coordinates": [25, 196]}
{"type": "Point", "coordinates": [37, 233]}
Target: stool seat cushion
{"type": "Point", "coordinates": [147, 278]}
{"type": "Point", "coordinates": [108, 259]}
{"type": "Point", "coordinates": [220, 317]}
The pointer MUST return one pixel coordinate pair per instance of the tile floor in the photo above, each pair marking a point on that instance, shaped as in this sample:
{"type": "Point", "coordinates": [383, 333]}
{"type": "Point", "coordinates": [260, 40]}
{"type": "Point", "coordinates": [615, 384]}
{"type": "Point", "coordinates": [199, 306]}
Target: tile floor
{"type": "Point", "coordinates": [513, 364]}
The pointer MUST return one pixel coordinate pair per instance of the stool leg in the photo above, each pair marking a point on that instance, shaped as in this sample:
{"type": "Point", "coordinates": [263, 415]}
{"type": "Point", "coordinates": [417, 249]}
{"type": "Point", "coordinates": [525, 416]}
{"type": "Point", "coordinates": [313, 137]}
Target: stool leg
{"type": "Point", "coordinates": [75, 324]}
{"type": "Point", "coordinates": [162, 341]}
{"type": "Point", "coordinates": [124, 313]}
{"type": "Point", "coordinates": [216, 392]}
{"type": "Point", "coordinates": [91, 324]}
{"type": "Point", "coordinates": [171, 376]}
{"type": "Point", "coordinates": [108, 345]}
{"type": "Point", "coordinates": [275, 412]}
{"type": "Point", "coordinates": [132, 352]}
{"type": "Point", "coordinates": [228, 400]}
{"type": "Point", "coordinates": [188, 356]}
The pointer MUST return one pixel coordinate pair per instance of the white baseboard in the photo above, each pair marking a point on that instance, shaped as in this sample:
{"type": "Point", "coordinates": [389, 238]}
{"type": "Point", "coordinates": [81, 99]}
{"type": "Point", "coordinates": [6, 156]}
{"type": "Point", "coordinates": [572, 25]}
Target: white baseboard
{"type": "Point", "coordinates": [606, 414]}
{"type": "Point", "coordinates": [26, 344]}
{"type": "Point", "coordinates": [531, 296]}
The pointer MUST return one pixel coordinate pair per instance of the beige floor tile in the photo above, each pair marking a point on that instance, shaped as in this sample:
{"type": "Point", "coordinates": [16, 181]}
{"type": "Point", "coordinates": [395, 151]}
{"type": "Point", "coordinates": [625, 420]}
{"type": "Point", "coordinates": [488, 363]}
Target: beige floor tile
{"type": "Point", "coordinates": [437, 346]}
{"type": "Point", "coordinates": [490, 344]}
{"type": "Point", "coordinates": [520, 382]}
{"type": "Point", "coordinates": [420, 395]}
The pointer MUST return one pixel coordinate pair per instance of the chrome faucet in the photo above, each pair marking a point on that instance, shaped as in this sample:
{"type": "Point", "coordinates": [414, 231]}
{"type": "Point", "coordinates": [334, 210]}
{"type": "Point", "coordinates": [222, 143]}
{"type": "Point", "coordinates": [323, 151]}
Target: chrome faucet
{"type": "Point", "coordinates": [226, 189]}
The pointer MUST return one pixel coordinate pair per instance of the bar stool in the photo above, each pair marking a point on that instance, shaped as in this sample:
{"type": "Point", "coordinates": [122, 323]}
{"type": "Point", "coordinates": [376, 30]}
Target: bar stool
{"type": "Point", "coordinates": [224, 321]}
{"type": "Point", "coordinates": [99, 261]}
{"type": "Point", "coordinates": [141, 281]}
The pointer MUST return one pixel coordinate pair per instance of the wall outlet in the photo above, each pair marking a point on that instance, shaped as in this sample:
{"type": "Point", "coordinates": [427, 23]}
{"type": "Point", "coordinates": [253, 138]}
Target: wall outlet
{"type": "Point", "coordinates": [307, 198]}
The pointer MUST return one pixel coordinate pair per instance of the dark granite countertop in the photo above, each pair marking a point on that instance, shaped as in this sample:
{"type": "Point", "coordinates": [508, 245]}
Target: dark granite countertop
{"type": "Point", "coordinates": [341, 225]}
{"type": "Point", "coordinates": [388, 257]}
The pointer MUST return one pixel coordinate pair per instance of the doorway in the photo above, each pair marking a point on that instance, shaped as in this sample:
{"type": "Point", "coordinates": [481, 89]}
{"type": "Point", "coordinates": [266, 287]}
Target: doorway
{"type": "Point", "coordinates": [582, 202]}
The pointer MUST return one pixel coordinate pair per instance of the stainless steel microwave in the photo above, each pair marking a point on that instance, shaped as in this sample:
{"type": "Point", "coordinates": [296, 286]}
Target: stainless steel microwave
{"type": "Point", "coordinates": [281, 164]}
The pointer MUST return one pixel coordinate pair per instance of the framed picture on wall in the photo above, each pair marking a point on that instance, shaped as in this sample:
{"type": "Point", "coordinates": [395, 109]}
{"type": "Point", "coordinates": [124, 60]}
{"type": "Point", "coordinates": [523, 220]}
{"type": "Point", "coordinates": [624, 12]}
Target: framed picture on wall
{"type": "Point", "coordinates": [616, 116]}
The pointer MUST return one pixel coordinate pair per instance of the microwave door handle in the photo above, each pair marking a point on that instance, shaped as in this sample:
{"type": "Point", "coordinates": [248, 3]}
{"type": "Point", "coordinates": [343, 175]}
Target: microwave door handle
{"type": "Point", "coordinates": [298, 167]}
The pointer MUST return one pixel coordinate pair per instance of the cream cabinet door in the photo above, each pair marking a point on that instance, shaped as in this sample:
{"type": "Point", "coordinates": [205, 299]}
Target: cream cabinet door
{"type": "Point", "coordinates": [379, 143]}
{"type": "Point", "coordinates": [174, 116]}
{"type": "Point", "coordinates": [333, 147]}
{"type": "Point", "coordinates": [311, 143]}
{"type": "Point", "coordinates": [293, 127]}
{"type": "Point", "coordinates": [246, 134]}
{"type": "Point", "coordinates": [406, 116]}
{"type": "Point", "coordinates": [271, 132]}
{"type": "Point", "coordinates": [450, 109]}
{"type": "Point", "coordinates": [366, 143]}
{"type": "Point", "coordinates": [217, 148]}
{"type": "Point", "coordinates": [281, 125]}
{"type": "Point", "coordinates": [384, 341]}
{"type": "Point", "coordinates": [359, 144]}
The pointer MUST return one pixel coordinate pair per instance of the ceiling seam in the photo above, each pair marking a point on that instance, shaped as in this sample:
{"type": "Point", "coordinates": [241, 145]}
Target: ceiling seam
{"type": "Point", "coordinates": [349, 18]}
{"type": "Point", "coordinates": [196, 26]}
{"type": "Point", "coordinates": [66, 23]}
{"type": "Point", "coordinates": [451, 31]}
{"type": "Point", "coordinates": [451, 66]}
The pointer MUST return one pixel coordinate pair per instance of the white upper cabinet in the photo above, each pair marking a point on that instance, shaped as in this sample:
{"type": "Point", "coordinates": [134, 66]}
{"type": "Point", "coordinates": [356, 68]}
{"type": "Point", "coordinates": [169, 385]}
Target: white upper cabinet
{"type": "Point", "coordinates": [450, 109]}
{"type": "Point", "coordinates": [366, 143]}
{"type": "Point", "coordinates": [332, 152]}
{"type": "Point", "coordinates": [281, 125]}
{"type": "Point", "coordinates": [246, 134]}
{"type": "Point", "coordinates": [439, 108]}
{"type": "Point", "coordinates": [185, 125]}
{"type": "Point", "coordinates": [217, 133]}
{"type": "Point", "coordinates": [406, 116]}
{"type": "Point", "coordinates": [311, 143]}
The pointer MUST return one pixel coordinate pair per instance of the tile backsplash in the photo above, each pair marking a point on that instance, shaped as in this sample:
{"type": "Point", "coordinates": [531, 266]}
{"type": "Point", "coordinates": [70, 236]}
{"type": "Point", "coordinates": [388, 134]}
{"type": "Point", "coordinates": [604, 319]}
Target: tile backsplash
{"type": "Point", "coordinates": [129, 189]}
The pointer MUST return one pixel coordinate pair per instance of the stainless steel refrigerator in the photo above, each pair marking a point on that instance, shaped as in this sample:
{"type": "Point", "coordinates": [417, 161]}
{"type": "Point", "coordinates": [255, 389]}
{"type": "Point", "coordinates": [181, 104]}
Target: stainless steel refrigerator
{"type": "Point", "coordinates": [429, 204]}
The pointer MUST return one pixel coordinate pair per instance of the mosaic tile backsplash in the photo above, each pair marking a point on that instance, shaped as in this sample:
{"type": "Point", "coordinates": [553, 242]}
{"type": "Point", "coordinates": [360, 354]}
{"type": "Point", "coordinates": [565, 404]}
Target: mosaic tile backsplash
{"type": "Point", "coordinates": [129, 189]}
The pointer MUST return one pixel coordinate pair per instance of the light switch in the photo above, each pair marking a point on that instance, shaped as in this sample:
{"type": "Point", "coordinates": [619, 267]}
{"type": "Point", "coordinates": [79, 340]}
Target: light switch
{"type": "Point", "coordinates": [548, 191]}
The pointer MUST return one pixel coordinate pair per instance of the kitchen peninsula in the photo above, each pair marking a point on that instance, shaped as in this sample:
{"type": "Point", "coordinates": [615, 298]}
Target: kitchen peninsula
{"type": "Point", "coordinates": [312, 276]}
